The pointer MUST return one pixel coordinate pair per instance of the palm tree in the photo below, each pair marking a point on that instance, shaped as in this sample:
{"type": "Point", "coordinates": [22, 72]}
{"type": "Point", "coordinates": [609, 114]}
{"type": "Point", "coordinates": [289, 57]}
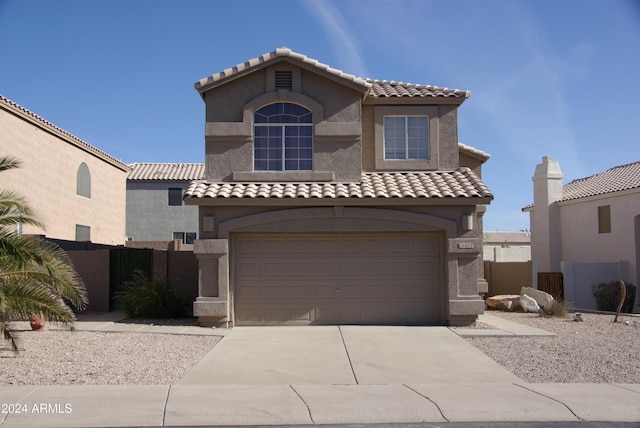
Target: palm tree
{"type": "Point", "coordinates": [36, 276]}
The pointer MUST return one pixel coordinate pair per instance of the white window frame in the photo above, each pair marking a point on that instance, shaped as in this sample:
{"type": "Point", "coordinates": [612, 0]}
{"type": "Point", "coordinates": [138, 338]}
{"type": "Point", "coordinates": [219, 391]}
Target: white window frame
{"type": "Point", "coordinates": [283, 148]}
{"type": "Point", "coordinates": [430, 164]}
{"type": "Point", "coordinates": [406, 137]}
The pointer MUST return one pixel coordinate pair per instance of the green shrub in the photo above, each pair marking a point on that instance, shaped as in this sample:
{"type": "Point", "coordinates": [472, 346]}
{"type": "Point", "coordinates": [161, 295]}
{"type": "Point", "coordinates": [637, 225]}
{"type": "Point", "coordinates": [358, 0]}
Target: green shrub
{"type": "Point", "coordinates": [608, 296]}
{"type": "Point", "coordinates": [142, 298]}
{"type": "Point", "coordinates": [557, 308]}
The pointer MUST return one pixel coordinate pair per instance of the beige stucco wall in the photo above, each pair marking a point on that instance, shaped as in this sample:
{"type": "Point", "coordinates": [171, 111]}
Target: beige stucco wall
{"type": "Point", "coordinates": [47, 179]}
{"type": "Point", "coordinates": [443, 136]}
{"type": "Point", "coordinates": [229, 128]}
{"type": "Point", "coordinates": [581, 242]}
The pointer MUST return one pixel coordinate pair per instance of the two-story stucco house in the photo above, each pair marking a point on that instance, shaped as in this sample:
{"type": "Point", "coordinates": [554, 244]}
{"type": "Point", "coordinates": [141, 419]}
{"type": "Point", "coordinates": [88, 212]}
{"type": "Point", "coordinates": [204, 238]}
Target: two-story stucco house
{"type": "Point", "coordinates": [76, 189]}
{"type": "Point", "coordinates": [588, 229]}
{"type": "Point", "coordinates": [332, 199]}
{"type": "Point", "coordinates": [156, 214]}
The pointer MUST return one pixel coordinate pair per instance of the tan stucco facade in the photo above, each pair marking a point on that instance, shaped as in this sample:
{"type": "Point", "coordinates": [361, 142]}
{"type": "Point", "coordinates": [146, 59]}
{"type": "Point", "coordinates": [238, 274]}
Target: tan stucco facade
{"type": "Point", "coordinates": [347, 142]}
{"type": "Point", "coordinates": [48, 178]}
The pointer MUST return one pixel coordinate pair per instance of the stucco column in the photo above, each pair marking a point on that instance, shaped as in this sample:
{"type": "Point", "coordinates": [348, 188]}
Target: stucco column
{"type": "Point", "coordinates": [464, 305]}
{"type": "Point", "coordinates": [483, 284]}
{"type": "Point", "coordinates": [212, 304]}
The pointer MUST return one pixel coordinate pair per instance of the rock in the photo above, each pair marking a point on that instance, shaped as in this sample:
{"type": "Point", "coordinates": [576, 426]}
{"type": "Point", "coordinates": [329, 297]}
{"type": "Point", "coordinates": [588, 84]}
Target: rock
{"type": "Point", "coordinates": [529, 304]}
{"type": "Point", "coordinates": [504, 302]}
{"type": "Point", "coordinates": [543, 299]}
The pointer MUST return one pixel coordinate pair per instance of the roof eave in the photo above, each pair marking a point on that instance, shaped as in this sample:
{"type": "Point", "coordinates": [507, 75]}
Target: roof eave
{"type": "Point", "coordinates": [280, 54]}
{"type": "Point", "coordinates": [431, 100]}
{"type": "Point", "coordinates": [347, 201]}
{"type": "Point", "coordinates": [25, 114]}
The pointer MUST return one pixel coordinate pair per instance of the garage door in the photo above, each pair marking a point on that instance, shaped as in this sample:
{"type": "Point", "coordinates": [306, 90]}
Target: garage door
{"type": "Point", "coordinates": [337, 279]}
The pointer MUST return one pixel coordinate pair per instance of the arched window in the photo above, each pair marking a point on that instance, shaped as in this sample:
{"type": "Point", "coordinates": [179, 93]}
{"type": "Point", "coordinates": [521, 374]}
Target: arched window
{"type": "Point", "coordinates": [283, 138]}
{"type": "Point", "coordinates": [83, 181]}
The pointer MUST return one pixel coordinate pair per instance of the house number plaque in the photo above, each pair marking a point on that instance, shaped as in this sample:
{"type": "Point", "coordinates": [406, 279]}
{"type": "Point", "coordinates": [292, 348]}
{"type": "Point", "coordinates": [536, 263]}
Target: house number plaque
{"type": "Point", "coordinates": [466, 245]}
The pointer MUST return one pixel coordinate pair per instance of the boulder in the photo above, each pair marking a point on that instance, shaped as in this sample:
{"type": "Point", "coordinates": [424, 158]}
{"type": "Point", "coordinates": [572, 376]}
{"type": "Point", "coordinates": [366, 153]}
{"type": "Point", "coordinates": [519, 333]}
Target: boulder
{"type": "Point", "coordinates": [504, 302]}
{"type": "Point", "coordinates": [529, 304]}
{"type": "Point", "coordinates": [543, 299]}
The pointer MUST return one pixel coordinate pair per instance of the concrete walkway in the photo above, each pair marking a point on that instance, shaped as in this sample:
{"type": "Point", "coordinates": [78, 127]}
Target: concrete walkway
{"type": "Point", "coordinates": [346, 374]}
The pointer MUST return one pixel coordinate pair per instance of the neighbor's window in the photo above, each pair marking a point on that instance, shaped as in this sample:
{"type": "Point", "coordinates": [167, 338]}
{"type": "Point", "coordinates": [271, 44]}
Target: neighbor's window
{"type": "Point", "coordinates": [83, 181]}
{"type": "Point", "coordinates": [83, 233]}
{"type": "Point", "coordinates": [185, 238]}
{"type": "Point", "coordinates": [175, 196]}
{"type": "Point", "coordinates": [283, 138]}
{"type": "Point", "coordinates": [604, 219]}
{"type": "Point", "coordinates": [406, 137]}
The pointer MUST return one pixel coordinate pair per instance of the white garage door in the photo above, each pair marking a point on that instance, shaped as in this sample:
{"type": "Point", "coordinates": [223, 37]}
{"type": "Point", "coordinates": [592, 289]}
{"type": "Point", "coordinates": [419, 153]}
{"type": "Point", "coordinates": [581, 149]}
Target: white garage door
{"type": "Point", "coordinates": [337, 279]}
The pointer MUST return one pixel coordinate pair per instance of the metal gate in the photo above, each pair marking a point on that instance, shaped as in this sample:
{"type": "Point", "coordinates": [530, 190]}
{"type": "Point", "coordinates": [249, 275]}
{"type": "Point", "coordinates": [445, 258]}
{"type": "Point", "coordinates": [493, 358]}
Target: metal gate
{"type": "Point", "coordinates": [552, 283]}
{"type": "Point", "coordinates": [123, 262]}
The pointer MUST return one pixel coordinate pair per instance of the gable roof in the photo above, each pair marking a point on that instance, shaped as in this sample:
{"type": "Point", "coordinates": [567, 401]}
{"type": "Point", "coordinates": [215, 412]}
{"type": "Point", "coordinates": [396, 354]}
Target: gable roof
{"type": "Point", "coordinates": [623, 177]}
{"type": "Point", "coordinates": [374, 88]}
{"type": "Point", "coordinates": [149, 171]}
{"type": "Point", "coordinates": [25, 114]}
{"type": "Point", "coordinates": [460, 183]}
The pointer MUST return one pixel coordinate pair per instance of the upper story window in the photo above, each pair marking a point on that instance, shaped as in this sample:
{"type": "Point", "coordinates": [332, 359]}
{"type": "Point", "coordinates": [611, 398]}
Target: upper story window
{"type": "Point", "coordinates": [83, 233]}
{"type": "Point", "coordinates": [175, 196]}
{"type": "Point", "coordinates": [283, 138]}
{"type": "Point", "coordinates": [604, 219]}
{"type": "Point", "coordinates": [406, 137]}
{"type": "Point", "coordinates": [83, 181]}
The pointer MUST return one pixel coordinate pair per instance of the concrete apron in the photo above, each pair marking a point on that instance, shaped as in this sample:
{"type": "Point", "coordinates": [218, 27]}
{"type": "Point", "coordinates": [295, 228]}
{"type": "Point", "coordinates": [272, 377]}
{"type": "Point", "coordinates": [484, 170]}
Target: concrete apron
{"type": "Point", "coordinates": [344, 355]}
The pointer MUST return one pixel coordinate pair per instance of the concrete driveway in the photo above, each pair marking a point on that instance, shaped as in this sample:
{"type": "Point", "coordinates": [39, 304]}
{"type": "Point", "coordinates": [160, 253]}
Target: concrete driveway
{"type": "Point", "coordinates": [344, 355]}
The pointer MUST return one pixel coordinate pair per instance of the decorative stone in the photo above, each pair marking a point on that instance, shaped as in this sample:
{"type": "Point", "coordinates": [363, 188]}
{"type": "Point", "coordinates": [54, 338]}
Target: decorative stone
{"type": "Point", "coordinates": [503, 302]}
{"type": "Point", "coordinates": [37, 322]}
{"type": "Point", "coordinates": [529, 304]}
{"type": "Point", "coordinates": [543, 299]}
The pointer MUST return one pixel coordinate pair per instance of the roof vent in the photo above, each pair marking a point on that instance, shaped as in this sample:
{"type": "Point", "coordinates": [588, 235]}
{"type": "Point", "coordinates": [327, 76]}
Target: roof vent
{"type": "Point", "coordinates": [284, 80]}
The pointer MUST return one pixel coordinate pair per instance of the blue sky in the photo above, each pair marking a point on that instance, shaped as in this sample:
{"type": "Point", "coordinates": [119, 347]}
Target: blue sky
{"type": "Point", "coordinates": [547, 77]}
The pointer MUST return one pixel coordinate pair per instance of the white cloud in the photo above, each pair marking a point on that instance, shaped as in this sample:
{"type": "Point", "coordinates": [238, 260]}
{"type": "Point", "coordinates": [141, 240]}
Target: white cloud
{"type": "Point", "coordinates": [337, 31]}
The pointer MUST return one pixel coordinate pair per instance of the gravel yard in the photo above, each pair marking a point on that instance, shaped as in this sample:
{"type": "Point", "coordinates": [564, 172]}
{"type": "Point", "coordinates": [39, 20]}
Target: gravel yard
{"type": "Point", "coordinates": [593, 351]}
{"type": "Point", "coordinates": [97, 358]}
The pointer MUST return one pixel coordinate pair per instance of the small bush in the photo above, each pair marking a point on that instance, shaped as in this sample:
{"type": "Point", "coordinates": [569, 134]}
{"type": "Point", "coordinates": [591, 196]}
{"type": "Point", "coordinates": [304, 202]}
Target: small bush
{"type": "Point", "coordinates": [142, 298]}
{"type": "Point", "coordinates": [608, 296]}
{"type": "Point", "coordinates": [557, 308]}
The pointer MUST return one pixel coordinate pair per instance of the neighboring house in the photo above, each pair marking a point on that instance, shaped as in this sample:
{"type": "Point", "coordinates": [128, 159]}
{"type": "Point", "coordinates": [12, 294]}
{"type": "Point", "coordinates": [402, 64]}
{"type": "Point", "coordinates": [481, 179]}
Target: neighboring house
{"type": "Point", "coordinates": [507, 246]}
{"type": "Point", "coordinates": [77, 190]}
{"type": "Point", "coordinates": [156, 214]}
{"type": "Point", "coordinates": [331, 199]}
{"type": "Point", "coordinates": [588, 229]}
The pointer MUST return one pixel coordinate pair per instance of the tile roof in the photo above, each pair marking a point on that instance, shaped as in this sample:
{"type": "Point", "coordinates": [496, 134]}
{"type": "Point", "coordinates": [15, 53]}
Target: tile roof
{"type": "Point", "coordinates": [31, 116]}
{"type": "Point", "coordinates": [386, 89]}
{"type": "Point", "coordinates": [461, 183]}
{"type": "Point", "coordinates": [616, 179]}
{"type": "Point", "coordinates": [376, 88]}
{"type": "Point", "coordinates": [280, 52]}
{"type": "Point", "coordinates": [623, 177]}
{"type": "Point", "coordinates": [148, 171]}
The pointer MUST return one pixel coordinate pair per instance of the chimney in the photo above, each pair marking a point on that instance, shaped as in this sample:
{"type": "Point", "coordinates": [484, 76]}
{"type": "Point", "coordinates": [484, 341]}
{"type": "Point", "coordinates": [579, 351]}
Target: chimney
{"type": "Point", "coordinates": [545, 218]}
